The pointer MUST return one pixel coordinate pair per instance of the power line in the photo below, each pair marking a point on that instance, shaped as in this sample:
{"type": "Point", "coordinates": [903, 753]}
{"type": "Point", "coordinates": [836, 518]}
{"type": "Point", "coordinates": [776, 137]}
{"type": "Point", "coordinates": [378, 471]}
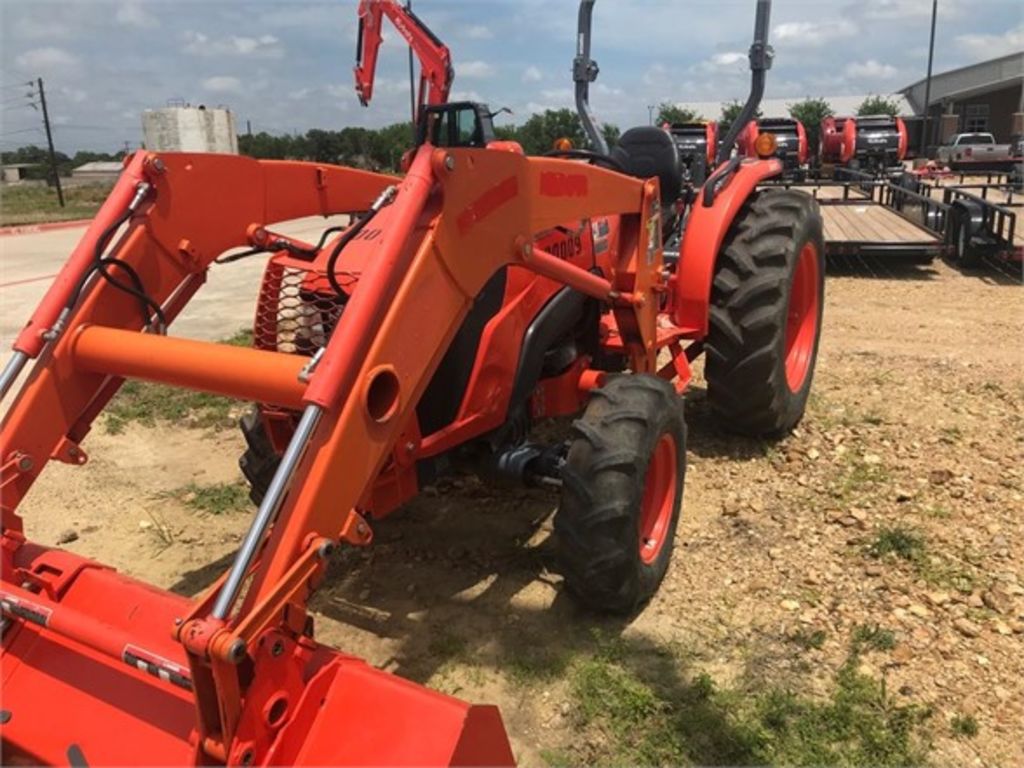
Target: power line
{"type": "Point", "coordinates": [36, 129]}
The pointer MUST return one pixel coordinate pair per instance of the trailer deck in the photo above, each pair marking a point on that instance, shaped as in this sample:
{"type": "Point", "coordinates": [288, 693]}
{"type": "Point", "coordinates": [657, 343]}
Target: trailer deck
{"type": "Point", "coordinates": [871, 217]}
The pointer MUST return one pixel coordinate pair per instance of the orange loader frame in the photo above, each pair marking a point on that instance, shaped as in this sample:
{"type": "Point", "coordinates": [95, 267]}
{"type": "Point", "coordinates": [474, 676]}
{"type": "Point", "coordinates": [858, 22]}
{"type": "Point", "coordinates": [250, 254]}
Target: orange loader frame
{"type": "Point", "coordinates": [235, 677]}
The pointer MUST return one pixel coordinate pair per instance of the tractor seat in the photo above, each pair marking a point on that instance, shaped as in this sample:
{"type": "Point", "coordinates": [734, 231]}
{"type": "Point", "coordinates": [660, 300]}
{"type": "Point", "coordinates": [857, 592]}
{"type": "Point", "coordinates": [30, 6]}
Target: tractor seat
{"type": "Point", "coordinates": [646, 152]}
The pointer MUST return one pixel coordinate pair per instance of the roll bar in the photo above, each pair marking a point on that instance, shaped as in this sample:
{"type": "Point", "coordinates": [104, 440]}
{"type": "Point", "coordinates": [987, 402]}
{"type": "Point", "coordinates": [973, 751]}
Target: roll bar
{"type": "Point", "coordinates": [584, 72]}
{"type": "Point", "coordinates": [761, 55]}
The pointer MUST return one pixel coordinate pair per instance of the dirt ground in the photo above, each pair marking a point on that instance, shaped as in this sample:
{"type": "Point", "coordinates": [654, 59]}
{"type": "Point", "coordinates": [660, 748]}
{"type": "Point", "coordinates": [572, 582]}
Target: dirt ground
{"type": "Point", "coordinates": [898, 505]}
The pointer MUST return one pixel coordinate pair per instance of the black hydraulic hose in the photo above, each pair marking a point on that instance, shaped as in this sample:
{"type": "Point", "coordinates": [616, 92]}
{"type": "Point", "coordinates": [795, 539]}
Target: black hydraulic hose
{"type": "Point", "coordinates": [102, 265]}
{"type": "Point", "coordinates": [352, 232]}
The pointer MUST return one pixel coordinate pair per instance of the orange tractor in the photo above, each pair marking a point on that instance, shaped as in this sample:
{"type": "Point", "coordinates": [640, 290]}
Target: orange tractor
{"type": "Point", "coordinates": [478, 294]}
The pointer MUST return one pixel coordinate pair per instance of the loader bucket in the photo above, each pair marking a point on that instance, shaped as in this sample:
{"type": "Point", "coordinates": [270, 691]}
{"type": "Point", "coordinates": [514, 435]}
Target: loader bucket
{"type": "Point", "coordinates": [92, 675]}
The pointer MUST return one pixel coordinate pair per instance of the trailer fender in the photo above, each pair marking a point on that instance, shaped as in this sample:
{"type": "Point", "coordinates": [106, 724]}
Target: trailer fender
{"type": "Point", "coordinates": [705, 231]}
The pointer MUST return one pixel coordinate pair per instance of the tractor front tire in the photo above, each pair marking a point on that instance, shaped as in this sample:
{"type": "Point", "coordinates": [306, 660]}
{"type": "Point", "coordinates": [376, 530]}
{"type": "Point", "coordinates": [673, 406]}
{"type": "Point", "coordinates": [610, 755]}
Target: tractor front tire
{"type": "Point", "coordinates": [622, 490]}
{"type": "Point", "coordinates": [259, 462]}
{"type": "Point", "coordinates": [765, 316]}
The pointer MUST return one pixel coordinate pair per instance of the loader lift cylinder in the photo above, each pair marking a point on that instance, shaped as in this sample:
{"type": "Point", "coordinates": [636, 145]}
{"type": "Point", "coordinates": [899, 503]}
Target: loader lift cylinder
{"type": "Point", "coordinates": [11, 371]}
{"type": "Point", "coordinates": [268, 510]}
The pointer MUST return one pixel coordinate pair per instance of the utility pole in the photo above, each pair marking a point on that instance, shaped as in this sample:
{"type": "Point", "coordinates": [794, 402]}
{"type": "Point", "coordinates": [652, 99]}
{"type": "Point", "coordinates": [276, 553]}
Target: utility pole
{"type": "Point", "coordinates": [49, 140]}
{"type": "Point", "coordinates": [650, 114]}
{"type": "Point", "coordinates": [928, 82]}
{"type": "Point", "coordinates": [412, 82]}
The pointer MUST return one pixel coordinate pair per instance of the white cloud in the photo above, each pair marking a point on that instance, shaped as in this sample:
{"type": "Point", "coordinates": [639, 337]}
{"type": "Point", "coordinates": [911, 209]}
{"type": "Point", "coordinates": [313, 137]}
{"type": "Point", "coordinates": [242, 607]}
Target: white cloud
{"type": "Point", "coordinates": [477, 32]}
{"type": "Point", "coordinates": [871, 70]}
{"type": "Point", "coordinates": [474, 70]}
{"type": "Point", "coordinates": [132, 14]}
{"type": "Point", "coordinates": [532, 74]}
{"type": "Point", "coordinates": [222, 84]}
{"type": "Point", "coordinates": [896, 10]}
{"type": "Point", "coordinates": [809, 34]}
{"type": "Point", "coordinates": [77, 95]}
{"type": "Point", "coordinates": [46, 60]}
{"type": "Point", "coordinates": [28, 28]}
{"type": "Point", "coordinates": [264, 46]}
{"type": "Point", "coordinates": [990, 46]}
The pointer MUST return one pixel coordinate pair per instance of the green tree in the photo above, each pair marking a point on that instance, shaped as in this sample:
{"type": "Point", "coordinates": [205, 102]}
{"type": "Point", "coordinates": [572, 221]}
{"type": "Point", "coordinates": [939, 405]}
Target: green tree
{"type": "Point", "coordinates": [811, 112]}
{"type": "Point", "coordinates": [539, 133]}
{"type": "Point", "coordinates": [611, 134]}
{"type": "Point", "coordinates": [673, 113]}
{"type": "Point", "coordinates": [730, 111]}
{"type": "Point", "coordinates": [878, 105]}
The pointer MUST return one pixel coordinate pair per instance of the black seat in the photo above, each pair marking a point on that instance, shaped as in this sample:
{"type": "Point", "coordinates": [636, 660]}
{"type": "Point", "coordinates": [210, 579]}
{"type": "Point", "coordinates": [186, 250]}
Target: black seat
{"type": "Point", "coordinates": [646, 152]}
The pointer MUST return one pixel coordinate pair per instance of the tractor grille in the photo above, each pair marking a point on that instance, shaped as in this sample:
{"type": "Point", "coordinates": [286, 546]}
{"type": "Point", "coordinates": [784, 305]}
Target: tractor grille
{"type": "Point", "coordinates": [297, 310]}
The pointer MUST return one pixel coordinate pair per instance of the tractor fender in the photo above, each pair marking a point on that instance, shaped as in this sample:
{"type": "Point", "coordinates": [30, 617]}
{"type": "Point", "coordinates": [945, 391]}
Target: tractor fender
{"type": "Point", "coordinates": [705, 231]}
{"type": "Point", "coordinates": [801, 140]}
{"type": "Point", "coordinates": [968, 214]}
{"type": "Point", "coordinates": [849, 141]}
{"type": "Point", "coordinates": [901, 129]}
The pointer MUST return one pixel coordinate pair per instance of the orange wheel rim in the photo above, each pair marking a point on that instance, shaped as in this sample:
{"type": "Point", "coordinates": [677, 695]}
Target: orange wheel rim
{"type": "Point", "coordinates": [802, 318]}
{"type": "Point", "coordinates": [657, 505]}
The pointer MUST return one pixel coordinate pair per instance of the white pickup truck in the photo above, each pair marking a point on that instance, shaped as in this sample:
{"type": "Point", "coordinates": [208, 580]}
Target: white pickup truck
{"type": "Point", "coordinates": [977, 151]}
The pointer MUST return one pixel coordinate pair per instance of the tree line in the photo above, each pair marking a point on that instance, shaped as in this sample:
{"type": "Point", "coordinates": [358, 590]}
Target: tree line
{"type": "Point", "coordinates": [382, 148]}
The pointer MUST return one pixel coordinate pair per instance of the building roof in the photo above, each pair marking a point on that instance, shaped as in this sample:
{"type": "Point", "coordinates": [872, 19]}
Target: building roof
{"type": "Point", "coordinates": [99, 166]}
{"type": "Point", "coordinates": [18, 165]}
{"type": "Point", "coordinates": [982, 77]}
{"type": "Point", "coordinates": [841, 105]}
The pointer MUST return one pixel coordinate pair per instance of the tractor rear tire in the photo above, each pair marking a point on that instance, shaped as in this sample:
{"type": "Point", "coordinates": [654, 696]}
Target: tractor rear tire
{"type": "Point", "coordinates": [765, 316]}
{"type": "Point", "coordinates": [259, 462]}
{"type": "Point", "coordinates": [622, 490]}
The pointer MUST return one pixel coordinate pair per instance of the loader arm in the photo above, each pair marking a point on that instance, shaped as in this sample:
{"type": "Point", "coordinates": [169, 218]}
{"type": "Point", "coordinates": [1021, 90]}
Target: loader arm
{"type": "Point", "coordinates": [436, 73]}
{"type": "Point", "coordinates": [242, 659]}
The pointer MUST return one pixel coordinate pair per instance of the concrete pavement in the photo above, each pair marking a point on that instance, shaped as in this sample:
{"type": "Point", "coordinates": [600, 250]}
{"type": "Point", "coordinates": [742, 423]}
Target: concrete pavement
{"type": "Point", "coordinates": [29, 262]}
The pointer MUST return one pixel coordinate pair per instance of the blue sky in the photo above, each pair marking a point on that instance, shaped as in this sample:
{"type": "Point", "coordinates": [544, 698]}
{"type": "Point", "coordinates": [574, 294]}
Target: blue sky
{"type": "Point", "coordinates": [286, 65]}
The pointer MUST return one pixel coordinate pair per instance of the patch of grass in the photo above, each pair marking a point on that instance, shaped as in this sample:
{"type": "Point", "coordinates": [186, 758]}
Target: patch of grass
{"type": "Point", "coordinates": [445, 645]}
{"type": "Point", "coordinates": [856, 726]}
{"type": "Point", "coordinates": [873, 637]}
{"type": "Point", "coordinates": [37, 204]}
{"type": "Point", "coordinates": [647, 714]}
{"type": "Point", "coordinates": [861, 477]}
{"type": "Point", "coordinates": [215, 499]}
{"type": "Point", "coordinates": [536, 663]}
{"type": "Point", "coordinates": [899, 541]}
{"type": "Point", "coordinates": [808, 640]}
{"type": "Point", "coordinates": [242, 338]}
{"type": "Point", "coordinates": [149, 404]}
{"type": "Point", "coordinates": [964, 726]}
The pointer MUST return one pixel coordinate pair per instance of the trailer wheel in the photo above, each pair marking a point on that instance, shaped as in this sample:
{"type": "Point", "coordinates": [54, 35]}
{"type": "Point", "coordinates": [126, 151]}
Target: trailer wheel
{"type": "Point", "coordinates": [765, 317]}
{"type": "Point", "coordinates": [259, 462]}
{"type": "Point", "coordinates": [622, 488]}
{"type": "Point", "coordinates": [964, 220]}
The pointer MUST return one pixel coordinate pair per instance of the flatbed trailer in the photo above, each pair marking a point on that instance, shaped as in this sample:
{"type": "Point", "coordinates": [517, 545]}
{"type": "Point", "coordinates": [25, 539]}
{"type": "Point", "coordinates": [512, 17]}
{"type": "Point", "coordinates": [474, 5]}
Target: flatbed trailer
{"type": "Point", "coordinates": [872, 217]}
{"type": "Point", "coordinates": [983, 219]}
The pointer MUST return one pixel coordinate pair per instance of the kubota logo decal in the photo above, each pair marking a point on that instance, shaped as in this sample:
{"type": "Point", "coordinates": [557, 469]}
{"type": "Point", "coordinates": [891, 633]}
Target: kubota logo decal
{"type": "Point", "coordinates": [554, 184]}
{"type": "Point", "coordinates": [487, 203]}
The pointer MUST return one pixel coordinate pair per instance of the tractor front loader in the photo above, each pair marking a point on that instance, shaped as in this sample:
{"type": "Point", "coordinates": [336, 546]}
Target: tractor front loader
{"type": "Point", "coordinates": [481, 293]}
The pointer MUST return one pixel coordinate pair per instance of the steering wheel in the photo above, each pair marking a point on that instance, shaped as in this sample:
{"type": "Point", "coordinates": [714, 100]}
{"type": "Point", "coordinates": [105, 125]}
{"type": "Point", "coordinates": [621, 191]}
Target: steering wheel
{"type": "Point", "coordinates": [585, 154]}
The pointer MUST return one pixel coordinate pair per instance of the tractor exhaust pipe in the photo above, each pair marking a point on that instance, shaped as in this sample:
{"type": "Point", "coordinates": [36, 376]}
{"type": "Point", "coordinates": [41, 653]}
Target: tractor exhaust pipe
{"type": "Point", "coordinates": [584, 72]}
{"type": "Point", "coordinates": [761, 55]}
